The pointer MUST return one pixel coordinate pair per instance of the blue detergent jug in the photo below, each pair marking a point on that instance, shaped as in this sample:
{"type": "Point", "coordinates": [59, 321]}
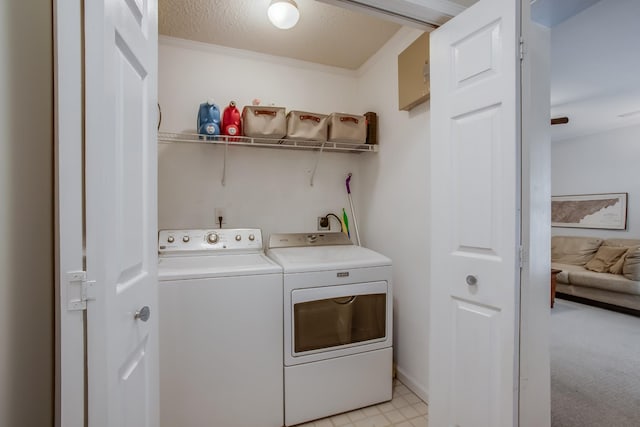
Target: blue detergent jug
{"type": "Point", "coordinates": [208, 119]}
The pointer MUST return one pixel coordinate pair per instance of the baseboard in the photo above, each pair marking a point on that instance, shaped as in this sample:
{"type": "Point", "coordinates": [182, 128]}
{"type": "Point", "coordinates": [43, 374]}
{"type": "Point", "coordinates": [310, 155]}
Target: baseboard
{"type": "Point", "coordinates": [599, 304]}
{"type": "Point", "coordinates": [412, 385]}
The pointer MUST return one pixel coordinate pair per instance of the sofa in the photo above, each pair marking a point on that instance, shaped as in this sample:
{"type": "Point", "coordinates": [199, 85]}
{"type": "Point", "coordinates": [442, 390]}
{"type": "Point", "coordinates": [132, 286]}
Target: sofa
{"type": "Point", "coordinates": [603, 271]}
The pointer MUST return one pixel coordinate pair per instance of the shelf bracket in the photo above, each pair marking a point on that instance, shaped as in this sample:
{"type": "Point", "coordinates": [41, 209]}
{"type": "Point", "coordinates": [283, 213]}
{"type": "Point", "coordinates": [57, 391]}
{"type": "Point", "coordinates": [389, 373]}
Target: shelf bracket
{"type": "Point", "coordinates": [315, 167]}
{"type": "Point", "coordinates": [224, 162]}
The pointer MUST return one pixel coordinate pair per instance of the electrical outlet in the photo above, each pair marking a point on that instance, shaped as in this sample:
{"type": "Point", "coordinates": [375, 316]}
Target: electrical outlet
{"type": "Point", "coordinates": [323, 223]}
{"type": "Point", "coordinates": [220, 212]}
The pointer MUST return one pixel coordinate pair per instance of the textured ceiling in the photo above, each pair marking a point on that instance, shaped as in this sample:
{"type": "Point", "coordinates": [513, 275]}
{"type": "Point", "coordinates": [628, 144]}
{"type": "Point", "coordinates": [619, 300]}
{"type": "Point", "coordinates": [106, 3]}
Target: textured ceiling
{"type": "Point", "coordinates": [325, 34]}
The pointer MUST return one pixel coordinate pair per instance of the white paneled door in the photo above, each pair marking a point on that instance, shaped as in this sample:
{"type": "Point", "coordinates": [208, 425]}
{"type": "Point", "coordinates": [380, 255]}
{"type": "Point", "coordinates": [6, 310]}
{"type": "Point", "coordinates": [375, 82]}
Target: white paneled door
{"type": "Point", "coordinates": [121, 212]}
{"type": "Point", "coordinates": [475, 152]}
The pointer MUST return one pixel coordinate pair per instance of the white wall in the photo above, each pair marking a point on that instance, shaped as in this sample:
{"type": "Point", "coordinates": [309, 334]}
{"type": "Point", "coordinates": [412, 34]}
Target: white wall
{"type": "Point", "coordinates": [26, 214]}
{"type": "Point", "coordinates": [393, 205]}
{"type": "Point", "coordinates": [265, 188]}
{"type": "Point", "coordinates": [600, 163]}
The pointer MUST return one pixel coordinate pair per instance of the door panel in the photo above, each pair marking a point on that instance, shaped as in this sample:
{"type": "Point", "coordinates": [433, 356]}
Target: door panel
{"type": "Point", "coordinates": [476, 56]}
{"type": "Point", "coordinates": [121, 211]}
{"type": "Point", "coordinates": [474, 150]}
{"type": "Point", "coordinates": [130, 83]}
{"type": "Point", "coordinates": [475, 372]}
{"type": "Point", "coordinates": [475, 141]}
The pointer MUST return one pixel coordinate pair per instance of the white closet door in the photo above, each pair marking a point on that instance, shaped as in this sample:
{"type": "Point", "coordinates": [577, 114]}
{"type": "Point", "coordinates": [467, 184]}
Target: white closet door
{"type": "Point", "coordinates": [121, 57]}
{"type": "Point", "coordinates": [475, 279]}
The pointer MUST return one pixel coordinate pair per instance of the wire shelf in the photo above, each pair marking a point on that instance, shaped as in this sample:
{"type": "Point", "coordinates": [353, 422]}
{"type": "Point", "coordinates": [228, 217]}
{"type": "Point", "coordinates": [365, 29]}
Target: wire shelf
{"type": "Point", "coordinates": [285, 143]}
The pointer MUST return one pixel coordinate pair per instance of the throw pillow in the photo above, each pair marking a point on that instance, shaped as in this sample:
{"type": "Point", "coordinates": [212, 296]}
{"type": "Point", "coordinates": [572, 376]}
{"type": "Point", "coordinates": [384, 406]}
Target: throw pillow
{"type": "Point", "coordinates": [605, 258]}
{"type": "Point", "coordinates": [631, 269]}
{"type": "Point", "coordinates": [617, 267]}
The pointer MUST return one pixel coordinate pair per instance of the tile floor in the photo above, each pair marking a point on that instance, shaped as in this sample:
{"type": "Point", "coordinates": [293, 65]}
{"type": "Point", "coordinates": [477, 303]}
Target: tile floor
{"type": "Point", "coordinates": [404, 410]}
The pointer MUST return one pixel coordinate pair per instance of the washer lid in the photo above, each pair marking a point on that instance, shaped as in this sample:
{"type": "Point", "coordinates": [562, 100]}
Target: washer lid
{"type": "Point", "coordinates": [303, 259]}
{"type": "Point", "coordinates": [198, 267]}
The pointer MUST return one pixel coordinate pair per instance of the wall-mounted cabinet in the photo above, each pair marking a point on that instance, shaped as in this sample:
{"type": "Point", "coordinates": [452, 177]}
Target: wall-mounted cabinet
{"type": "Point", "coordinates": [413, 74]}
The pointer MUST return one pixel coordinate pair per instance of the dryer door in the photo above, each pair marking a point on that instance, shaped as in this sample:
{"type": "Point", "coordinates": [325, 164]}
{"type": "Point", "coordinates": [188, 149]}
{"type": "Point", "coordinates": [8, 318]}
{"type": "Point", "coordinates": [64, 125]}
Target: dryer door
{"type": "Point", "coordinates": [334, 318]}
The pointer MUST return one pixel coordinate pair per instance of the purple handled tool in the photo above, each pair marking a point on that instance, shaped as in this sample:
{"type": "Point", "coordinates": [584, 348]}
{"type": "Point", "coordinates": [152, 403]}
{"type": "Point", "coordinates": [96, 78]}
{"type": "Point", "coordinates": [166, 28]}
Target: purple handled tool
{"type": "Point", "coordinates": [353, 211]}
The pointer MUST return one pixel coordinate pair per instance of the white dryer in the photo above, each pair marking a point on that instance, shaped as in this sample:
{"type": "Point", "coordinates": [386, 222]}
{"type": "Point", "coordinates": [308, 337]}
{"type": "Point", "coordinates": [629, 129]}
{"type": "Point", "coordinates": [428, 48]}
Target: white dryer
{"type": "Point", "coordinates": [338, 304]}
{"type": "Point", "coordinates": [220, 302]}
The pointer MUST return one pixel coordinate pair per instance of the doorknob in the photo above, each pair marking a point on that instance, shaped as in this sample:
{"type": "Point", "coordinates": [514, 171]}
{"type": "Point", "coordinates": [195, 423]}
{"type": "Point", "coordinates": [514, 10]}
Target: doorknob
{"type": "Point", "coordinates": [472, 280]}
{"type": "Point", "coordinates": [143, 314]}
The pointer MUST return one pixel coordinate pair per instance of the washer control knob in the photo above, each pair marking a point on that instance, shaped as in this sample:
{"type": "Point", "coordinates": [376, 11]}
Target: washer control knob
{"type": "Point", "coordinates": [212, 238]}
{"type": "Point", "coordinates": [185, 239]}
{"type": "Point", "coordinates": [238, 237]}
{"type": "Point", "coordinates": [170, 239]}
{"type": "Point", "coordinates": [252, 237]}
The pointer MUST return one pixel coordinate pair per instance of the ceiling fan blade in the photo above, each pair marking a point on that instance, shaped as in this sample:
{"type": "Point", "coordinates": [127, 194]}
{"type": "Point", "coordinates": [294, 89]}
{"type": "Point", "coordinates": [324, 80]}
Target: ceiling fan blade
{"type": "Point", "coordinates": [560, 121]}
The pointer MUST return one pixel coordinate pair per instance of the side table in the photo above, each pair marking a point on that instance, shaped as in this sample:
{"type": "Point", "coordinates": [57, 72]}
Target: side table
{"type": "Point", "coordinates": [554, 273]}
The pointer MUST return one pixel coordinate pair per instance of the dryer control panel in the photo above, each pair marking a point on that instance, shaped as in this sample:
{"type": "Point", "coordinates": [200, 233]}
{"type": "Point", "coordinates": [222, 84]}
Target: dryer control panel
{"type": "Point", "coordinates": [209, 240]}
{"type": "Point", "coordinates": [298, 240]}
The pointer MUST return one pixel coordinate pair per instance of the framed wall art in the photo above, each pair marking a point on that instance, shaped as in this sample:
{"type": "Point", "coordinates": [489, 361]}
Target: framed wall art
{"type": "Point", "coordinates": [606, 211]}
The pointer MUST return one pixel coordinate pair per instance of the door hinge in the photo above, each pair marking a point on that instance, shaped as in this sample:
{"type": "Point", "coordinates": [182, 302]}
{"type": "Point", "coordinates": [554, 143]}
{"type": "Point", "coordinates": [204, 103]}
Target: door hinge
{"type": "Point", "coordinates": [522, 256]}
{"type": "Point", "coordinates": [79, 290]}
{"type": "Point", "coordinates": [522, 48]}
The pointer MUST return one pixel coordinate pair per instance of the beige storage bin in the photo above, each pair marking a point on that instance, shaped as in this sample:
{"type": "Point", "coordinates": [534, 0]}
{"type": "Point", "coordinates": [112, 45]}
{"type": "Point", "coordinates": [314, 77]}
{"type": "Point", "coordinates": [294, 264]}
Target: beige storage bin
{"type": "Point", "coordinates": [308, 126]}
{"type": "Point", "coordinates": [264, 122]}
{"type": "Point", "coordinates": [347, 128]}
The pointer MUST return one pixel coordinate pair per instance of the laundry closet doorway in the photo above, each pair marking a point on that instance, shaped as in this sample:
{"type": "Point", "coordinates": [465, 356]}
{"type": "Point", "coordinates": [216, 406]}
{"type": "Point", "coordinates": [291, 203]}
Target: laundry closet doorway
{"type": "Point", "coordinates": [69, 391]}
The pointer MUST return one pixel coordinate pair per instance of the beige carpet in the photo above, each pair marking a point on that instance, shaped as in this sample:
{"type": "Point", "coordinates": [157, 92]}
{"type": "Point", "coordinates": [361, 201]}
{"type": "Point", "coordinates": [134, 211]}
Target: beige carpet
{"type": "Point", "coordinates": [595, 367]}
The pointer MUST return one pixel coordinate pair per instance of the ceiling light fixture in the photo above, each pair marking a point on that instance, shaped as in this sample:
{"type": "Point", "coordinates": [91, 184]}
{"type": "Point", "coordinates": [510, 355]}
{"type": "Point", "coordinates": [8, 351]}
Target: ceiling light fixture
{"type": "Point", "coordinates": [283, 14]}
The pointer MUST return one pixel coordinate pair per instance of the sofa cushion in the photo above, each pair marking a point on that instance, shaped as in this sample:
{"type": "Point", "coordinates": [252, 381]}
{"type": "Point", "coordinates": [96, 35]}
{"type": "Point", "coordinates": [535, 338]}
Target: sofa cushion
{"type": "Point", "coordinates": [621, 242]}
{"type": "Point", "coordinates": [605, 281]}
{"type": "Point", "coordinates": [563, 276]}
{"type": "Point", "coordinates": [605, 257]}
{"type": "Point", "coordinates": [631, 268]}
{"type": "Point", "coordinates": [573, 250]}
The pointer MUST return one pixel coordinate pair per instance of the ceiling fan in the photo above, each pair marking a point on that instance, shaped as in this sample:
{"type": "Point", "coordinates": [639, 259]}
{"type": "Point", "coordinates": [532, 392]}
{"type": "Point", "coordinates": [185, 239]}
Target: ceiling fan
{"type": "Point", "coordinates": [559, 120]}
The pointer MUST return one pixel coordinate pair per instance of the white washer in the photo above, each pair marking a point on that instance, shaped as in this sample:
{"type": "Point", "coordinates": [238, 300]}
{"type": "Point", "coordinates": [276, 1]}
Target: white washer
{"type": "Point", "coordinates": [338, 304]}
{"type": "Point", "coordinates": [220, 330]}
